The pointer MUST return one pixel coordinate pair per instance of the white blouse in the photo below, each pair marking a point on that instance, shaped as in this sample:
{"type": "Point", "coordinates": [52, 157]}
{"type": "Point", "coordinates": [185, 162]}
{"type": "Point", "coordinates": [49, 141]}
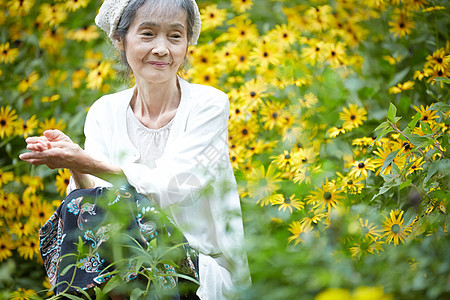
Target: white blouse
{"type": "Point", "coordinates": [149, 142]}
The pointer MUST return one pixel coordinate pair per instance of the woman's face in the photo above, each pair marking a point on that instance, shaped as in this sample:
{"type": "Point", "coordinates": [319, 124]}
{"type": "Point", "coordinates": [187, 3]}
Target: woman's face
{"type": "Point", "coordinates": [155, 46]}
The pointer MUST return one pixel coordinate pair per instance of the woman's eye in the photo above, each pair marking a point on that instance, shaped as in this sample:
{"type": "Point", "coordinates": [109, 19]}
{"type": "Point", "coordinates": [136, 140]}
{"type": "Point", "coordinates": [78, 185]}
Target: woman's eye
{"type": "Point", "coordinates": [147, 33]}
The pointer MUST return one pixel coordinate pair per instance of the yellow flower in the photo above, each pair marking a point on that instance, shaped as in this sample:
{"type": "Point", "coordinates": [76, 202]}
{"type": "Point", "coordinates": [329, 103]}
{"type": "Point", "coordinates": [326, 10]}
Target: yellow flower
{"type": "Point", "coordinates": [41, 213]}
{"type": "Point", "coordinates": [25, 84]}
{"type": "Point", "coordinates": [394, 229]}
{"type": "Point", "coordinates": [284, 35]}
{"type": "Point", "coordinates": [370, 293]}
{"type": "Point", "coordinates": [427, 114]}
{"type": "Point", "coordinates": [5, 177]}
{"type": "Point", "coordinates": [6, 245]}
{"type": "Point", "coordinates": [265, 54]}
{"type": "Point", "coordinates": [286, 202]}
{"type": "Point", "coordinates": [8, 119]}
{"type": "Point", "coordinates": [20, 229]}
{"type": "Point", "coordinates": [243, 31]}
{"type": "Point", "coordinates": [97, 75]}
{"type": "Point", "coordinates": [353, 116]}
{"type": "Point", "coordinates": [26, 128]}
{"type": "Point", "coordinates": [316, 52]}
{"type": "Point", "coordinates": [212, 17]}
{"type": "Point", "coordinates": [51, 124]}
{"type": "Point", "coordinates": [308, 100]}
{"type": "Point", "coordinates": [62, 181]}
{"type": "Point", "coordinates": [86, 34]}
{"type": "Point", "coordinates": [326, 197]}
{"type": "Point", "coordinates": [262, 183]}
{"type": "Point", "coordinates": [77, 77]}
{"type": "Point", "coordinates": [369, 230]}
{"type": "Point", "coordinates": [28, 247]}
{"type": "Point", "coordinates": [51, 98]}
{"type": "Point", "coordinates": [241, 60]}
{"type": "Point", "coordinates": [401, 87]}
{"type": "Point", "coordinates": [360, 168]}
{"type": "Point", "coordinates": [439, 60]}
{"type": "Point", "coordinates": [244, 131]}
{"type": "Point", "coordinates": [8, 55]}
{"type": "Point", "coordinates": [333, 293]}
{"type": "Point", "coordinates": [272, 115]}
{"type": "Point", "coordinates": [298, 232]}
{"type": "Point", "coordinates": [401, 25]}
{"type": "Point", "coordinates": [336, 55]}
{"type": "Point", "coordinates": [52, 40]}
{"type": "Point", "coordinates": [19, 7]}
{"type": "Point", "coordinates": [366, 246]}
{"type": "Point", "coordinates": [335, 131]}
{"type": "Point", "coordinates": [382, 153]}
{"type": "Point", "coordinates": [433, 8]}
{"type": "Point", "coordinates": [417, 165]}
{"type": "Point", "coordinates": [52, 14]}
{"type": "Point", "coordinates": [73, 5]}
{"type": "Point", "coordinates": [241, 5]}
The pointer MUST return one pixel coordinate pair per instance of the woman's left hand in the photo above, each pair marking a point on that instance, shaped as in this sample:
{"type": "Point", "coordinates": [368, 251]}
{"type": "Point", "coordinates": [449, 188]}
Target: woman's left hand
{"type": "Point", "coordinates": [54, 149]}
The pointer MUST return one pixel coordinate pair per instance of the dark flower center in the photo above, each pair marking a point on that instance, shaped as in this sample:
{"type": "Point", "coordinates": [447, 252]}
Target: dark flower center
{"type": "Point", "coordinates": [361, 165]}
{"type": "Point", "coordinates": [274, 115]}
{"type": "Point", "coordinates": [352, 117]}
{"type": "Point", "coordinates": [327, 195]}
{"type": "Point", "coordinates": [395, 228]}
{"type": "Point", "coordinates": [3, 122]}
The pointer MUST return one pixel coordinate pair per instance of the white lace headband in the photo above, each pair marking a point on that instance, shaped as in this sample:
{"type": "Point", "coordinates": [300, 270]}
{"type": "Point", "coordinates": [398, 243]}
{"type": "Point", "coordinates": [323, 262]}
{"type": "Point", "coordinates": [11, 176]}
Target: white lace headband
{"type": "Point", "coordinates": [111, 10]}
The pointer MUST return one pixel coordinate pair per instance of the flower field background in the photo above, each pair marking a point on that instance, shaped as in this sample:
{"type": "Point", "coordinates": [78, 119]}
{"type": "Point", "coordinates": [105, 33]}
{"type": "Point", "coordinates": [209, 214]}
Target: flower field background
{"type": "Point", "coordinates": [338, 136]}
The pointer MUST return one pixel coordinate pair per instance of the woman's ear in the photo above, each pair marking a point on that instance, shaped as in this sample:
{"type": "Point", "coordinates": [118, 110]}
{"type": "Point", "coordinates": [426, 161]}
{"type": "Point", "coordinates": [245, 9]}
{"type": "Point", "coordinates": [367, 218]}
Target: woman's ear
{"type": "Point", "coordinates": [118, 42]}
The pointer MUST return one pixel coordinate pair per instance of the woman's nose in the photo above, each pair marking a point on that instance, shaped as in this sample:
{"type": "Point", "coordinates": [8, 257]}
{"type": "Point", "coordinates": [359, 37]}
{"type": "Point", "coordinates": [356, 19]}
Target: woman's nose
{"type": "Point", "coordinates": [160, 47]}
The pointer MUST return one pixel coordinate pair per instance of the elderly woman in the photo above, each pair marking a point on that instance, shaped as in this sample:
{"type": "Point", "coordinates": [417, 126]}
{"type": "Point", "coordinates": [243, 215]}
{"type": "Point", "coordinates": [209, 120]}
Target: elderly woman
{"type": "Point", "coordinates": [165, 136]}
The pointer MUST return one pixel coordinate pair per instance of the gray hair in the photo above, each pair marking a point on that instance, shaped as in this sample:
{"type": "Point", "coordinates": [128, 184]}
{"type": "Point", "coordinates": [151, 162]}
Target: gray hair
{"type": "Point", "coordinates": [163, 8]}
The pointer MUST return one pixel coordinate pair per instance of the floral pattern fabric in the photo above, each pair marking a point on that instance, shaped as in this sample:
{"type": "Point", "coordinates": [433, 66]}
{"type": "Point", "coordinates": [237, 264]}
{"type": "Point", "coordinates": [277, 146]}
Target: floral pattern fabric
{"type": "Point", "coordinates": [81, 222]}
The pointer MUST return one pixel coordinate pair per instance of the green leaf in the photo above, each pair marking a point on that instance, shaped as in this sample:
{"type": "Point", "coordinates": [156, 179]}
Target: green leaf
{"type": "Point", "coordinates": [414, 121]}
{"type": "Point", "coordinates": [389, 159]}
{"type": "Point", "coordinates": [443, 79]}
{"type": "Point", "coordinates": [440, 106]}
{"type": "Point", "coordinates": [382, 134]}
{"type": "Point", "coordinates": [392, 113]}
{"type": "Point", "coordinates": [405, 184]}
{"type": "Point", "coordinates": [73, 297]}
{"type": "Point", "coordinates": [419, 141]}
{"type": "Point", "coordinates": [66, 269]}
{"type": "Point", "coordinates": [425, 127]}
{"type": "Point", "coordinates": [432, 169]}
{"type": "Point", "coordinates": [397, 119]}
{"type": "Point", "coordinates": [136, 294]}
{"type": "Point", "coordinates": [382, 126]}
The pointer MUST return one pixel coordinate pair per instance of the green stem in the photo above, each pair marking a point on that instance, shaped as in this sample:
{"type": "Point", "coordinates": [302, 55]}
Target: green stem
{"type": "Point", "coordinates": [9, 139]}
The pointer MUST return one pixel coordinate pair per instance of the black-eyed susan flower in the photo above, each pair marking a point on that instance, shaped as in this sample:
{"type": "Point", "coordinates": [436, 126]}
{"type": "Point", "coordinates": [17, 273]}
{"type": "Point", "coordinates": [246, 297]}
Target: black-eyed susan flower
{"type": "Point", "coordinates": [283, 34]}
{"type": "Point", "coordinates": [253, 91]}
{"type": "Point", "coordinates": [272, 115]}
{"type": "Point", "coordinates": [52, 98]}
{"type": "Point", "coordinates": [316, 52]}
{"type": "Point", "coordinates": [6, 245]}
{"type": "Point", "coordinates": [326, 197]}
{"type": "Point", "coordinates": [51, 124]}
{"type": "Point", "coordinates": [212, 17]}
{"type": "Point", "coordinates": [41, 213]}
{"type": "Point", "coordinates": [21, 229]}
{"type": "Point", "coordinates": [244, 31]}
{"type": "Point", "coordinates": [28, 247]}
{"type": "Point", "coordinates": [96, 77]}
{"type": "Point", "coordinates": [298, 232]}
{"type": "Point", "coordinates": [337, 56]}
{"type": "Point", "coordinates": [335, 131]}
{"type": "Point", "coordinates": [401, 25]}
{"type": "Point", "coordinates": [8, 119]}
{"type": "Point", "coordinates": [353, 116]}
{"type": "Point", "coordinates": [439, 60]}
{"type": "Point", "coordinates": [73, 5]}
{"type": "Point", "coordinates": [369, 230]}
{"type": "Point", "coordinates": [53, 40]}
{"type": "Point", "coordinates": [416, 165]}
{"type": "Point", "coordinates": [77, 77]}
{"type": "Point", "coordinates": [244, 131]}
{"type": "Point", "coordinates": [283, 160]}
{"type": "Point", "coordinates": [287, 202]}
{"type": "Point", "coordinates": [352, 185]}
{"type": "Point", "coordinates": [6, 177]}
{"type": "Point", "coordinates": [26, 128]}
{"type": "Point", "coordinates": [382, 153]}
{"type": "Point", "coordinates": [62, 181]}
{"type": "Point", "coordinates": [361, 168]}
{"type": "Point", "coordinates": [24, 204]}
{"type": "Point", "coordinates": [241, 5]}
{"type": "Point", "coordinates": [84, 34]}
{"type": "Point", "coordinates": [52, 15]}
{"type": "Point", "coordinates": [25, 84]}
{"type": "Point", "coordinates": [427, 114]}
{"type": "Point", "coordinates": [394, 229]}
{"type": "Point", "coordinates": [241, 60]}
{"type": "Point", "coordinates": [400, 87]}
{"type": "Point", "coordinates": [262, 183]}
{"type": "Point", "coordinates": [365, 247]}
{"type": "Point", "coordinates": [266, 54]}
{"type": "Point", "coordinates": [308, 100]}
{"type": "Point", "coordinates": [7, 54]}
{"type": "Point", "coordinates": [19, 7]}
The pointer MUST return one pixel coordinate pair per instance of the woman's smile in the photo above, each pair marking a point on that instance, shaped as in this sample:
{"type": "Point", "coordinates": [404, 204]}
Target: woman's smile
{"type": "Point", "coordinates": [158, 64]}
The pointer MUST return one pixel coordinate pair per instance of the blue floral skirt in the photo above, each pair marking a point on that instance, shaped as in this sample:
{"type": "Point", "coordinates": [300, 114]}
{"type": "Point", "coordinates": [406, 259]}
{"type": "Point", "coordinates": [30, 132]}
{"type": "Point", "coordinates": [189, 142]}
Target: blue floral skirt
{"type": "Point", "coordinates": [79, 243]}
